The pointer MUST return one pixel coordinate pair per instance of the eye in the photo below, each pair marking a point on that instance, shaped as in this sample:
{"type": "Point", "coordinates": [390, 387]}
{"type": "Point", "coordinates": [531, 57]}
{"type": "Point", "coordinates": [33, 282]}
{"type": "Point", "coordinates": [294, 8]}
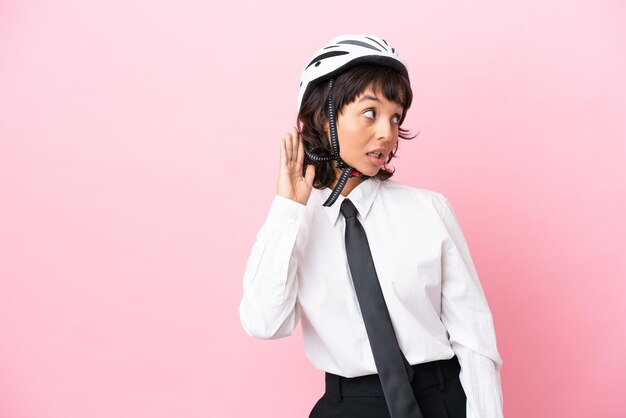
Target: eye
{"type": "Point", "coordinates": [396, 119]}
{"type": "Point", "coordinates": [369, 113]}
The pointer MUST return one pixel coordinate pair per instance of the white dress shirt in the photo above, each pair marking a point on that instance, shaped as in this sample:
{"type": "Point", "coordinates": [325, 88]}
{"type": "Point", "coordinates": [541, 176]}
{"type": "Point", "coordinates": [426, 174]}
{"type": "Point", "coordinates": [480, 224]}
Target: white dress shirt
{"type": "Point", "coordinates": [298, 271]}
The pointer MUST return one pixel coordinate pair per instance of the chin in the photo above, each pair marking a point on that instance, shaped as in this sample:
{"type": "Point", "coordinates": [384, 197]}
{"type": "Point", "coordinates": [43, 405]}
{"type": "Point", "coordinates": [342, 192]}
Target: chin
{"type": "Point", "coordinates": [368, 171]}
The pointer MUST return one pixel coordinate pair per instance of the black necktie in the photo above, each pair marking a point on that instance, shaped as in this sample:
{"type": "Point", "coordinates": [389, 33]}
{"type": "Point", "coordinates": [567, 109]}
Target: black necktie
{"type": "Point", "coordinates": [393, 369]}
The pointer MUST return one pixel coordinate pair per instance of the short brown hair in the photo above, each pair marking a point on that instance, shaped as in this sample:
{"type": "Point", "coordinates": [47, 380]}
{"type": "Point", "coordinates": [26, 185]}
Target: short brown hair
{"type": "Point", "coordinates": [313, 114]}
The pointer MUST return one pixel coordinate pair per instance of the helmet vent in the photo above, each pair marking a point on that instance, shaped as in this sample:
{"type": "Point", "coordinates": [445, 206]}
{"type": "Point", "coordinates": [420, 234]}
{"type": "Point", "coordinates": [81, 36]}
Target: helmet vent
{"type": "Point", "coordinates": [326, 55]}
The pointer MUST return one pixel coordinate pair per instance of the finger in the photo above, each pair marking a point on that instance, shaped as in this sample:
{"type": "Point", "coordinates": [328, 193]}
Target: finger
{"type": "Point", "coordinates": [310, 174]}
{"type": "Point", "coordinates": [300, 160]}
{"type": "Point", "coordinates": [294, 144]}
{"type": "Point", "coordinates": [288, 148]}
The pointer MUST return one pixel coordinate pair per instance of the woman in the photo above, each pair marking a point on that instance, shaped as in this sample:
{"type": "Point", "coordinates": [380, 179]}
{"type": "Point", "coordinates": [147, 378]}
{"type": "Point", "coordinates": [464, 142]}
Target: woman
{"type": "Point", "coordinates": [378, 272]}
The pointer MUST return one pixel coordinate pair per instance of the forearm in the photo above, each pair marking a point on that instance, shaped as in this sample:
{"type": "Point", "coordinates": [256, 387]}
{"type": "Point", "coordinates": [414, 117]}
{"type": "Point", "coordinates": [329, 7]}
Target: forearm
{"type": "Point", "coordinates": [268, 306]}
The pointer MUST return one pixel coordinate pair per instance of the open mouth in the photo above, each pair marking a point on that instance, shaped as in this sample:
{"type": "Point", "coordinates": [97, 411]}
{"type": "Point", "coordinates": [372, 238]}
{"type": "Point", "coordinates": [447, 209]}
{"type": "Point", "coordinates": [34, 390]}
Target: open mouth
{"type": "Point", "coordinates": [376, 158]}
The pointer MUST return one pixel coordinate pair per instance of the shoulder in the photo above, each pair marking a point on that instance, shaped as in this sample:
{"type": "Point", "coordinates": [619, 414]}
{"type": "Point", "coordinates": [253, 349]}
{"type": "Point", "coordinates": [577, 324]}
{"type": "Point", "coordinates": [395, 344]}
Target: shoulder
{"type": "Point", "coordinates": [409, 195]}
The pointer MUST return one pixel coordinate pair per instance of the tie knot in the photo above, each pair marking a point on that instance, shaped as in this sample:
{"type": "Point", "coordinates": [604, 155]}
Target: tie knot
{"type": "Point", "coordinates": [347, 209]}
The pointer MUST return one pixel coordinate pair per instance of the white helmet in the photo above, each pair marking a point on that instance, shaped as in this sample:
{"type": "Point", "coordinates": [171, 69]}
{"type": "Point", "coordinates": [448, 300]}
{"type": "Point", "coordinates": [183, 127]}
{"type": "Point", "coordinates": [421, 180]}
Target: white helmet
{"type": "Point", "coordinates": [344, 52]}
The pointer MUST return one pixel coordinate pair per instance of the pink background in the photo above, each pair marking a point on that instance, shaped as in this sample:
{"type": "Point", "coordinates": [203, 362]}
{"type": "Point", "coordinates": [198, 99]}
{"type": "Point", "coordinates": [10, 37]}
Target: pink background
{"type": "Point", "coordinates": [139, 155]}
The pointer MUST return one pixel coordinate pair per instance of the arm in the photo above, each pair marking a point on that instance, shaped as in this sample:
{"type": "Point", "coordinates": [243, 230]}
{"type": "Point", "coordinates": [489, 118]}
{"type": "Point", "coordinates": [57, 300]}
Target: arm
{"type": "Point", "coordinates": [467, 317]}
{"type": "Point", "coordinates": [268, 308]}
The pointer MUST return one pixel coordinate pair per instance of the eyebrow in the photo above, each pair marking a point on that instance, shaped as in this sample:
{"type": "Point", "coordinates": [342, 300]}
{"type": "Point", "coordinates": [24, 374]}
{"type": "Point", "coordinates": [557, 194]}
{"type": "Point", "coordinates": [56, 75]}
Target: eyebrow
{"type": "Point", "coordinates": [374, 98]}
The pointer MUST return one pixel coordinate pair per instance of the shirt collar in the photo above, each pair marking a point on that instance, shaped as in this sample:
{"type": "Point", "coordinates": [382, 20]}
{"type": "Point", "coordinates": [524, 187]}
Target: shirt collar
{"type": "Point", "coordinates": [362, 196]}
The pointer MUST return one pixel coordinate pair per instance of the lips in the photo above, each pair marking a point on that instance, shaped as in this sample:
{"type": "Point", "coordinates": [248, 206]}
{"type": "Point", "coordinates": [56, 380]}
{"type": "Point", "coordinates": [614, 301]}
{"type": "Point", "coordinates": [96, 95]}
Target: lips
{"type": "Point", "coordinates": [376, 157]}
{"type": "Point", "coordinates": [377, 153]}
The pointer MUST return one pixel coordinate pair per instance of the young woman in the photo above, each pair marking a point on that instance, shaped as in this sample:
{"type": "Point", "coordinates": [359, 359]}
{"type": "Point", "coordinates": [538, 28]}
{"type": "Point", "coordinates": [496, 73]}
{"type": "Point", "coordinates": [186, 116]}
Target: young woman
{"type": "Point", "coordinates": [378, 272]}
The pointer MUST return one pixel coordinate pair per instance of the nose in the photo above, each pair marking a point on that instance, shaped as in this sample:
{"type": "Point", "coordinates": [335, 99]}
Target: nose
{"type": "Point", "coordinates": [385, 130]}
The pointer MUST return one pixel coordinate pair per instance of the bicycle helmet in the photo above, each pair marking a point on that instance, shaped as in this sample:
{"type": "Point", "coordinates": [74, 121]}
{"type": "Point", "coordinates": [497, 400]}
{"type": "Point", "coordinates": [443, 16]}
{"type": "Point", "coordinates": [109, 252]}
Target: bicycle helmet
{"type": "Point", "coordinates": [340, 54]}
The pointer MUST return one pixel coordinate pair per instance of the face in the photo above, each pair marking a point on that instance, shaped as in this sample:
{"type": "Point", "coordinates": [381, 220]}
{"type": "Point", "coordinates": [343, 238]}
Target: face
{"type": "Point", "coordinates": [367, 130]}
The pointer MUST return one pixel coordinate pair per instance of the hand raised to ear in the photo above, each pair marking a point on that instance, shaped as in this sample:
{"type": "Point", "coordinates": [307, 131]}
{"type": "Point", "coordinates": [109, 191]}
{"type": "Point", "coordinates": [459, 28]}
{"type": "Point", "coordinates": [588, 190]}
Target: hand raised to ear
{"type": "Point", "coordinates": [291, 184]}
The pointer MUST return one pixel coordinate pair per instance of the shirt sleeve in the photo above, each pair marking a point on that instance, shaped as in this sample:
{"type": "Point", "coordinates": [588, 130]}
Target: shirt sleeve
{"type": "Point", "coordinates": [268, 309]}
{"type": "Point", "coordinates": [468, 320]}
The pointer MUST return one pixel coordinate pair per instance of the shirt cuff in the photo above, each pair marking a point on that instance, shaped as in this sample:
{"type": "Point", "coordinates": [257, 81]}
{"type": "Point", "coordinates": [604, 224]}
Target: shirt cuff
{"type": "Point", "coordinates": [284, 213]}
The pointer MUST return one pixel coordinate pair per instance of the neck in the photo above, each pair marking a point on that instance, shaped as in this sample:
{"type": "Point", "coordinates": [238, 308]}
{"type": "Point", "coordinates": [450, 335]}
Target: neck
{"type": "Point", "coordinates": [350, 184]}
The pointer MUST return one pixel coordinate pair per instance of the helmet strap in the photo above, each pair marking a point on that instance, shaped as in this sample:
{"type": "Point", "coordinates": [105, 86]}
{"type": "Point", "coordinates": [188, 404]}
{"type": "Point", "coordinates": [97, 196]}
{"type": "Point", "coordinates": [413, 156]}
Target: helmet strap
{"type": "Point", "coordinates": [346, 170]}
{"type": "Point", "coordinates": [334, 143]}
{"type": "Point", "coordinates": [343, 179]}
